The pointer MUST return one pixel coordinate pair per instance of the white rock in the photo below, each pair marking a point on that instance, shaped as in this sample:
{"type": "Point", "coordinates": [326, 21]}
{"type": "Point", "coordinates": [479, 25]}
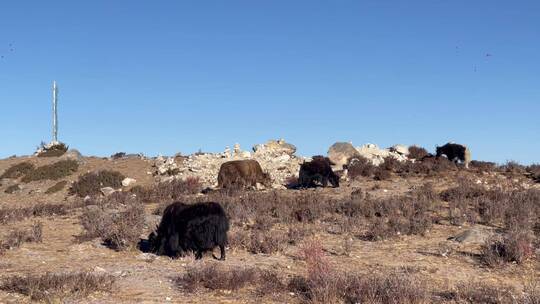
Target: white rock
{"type": "Point", "coordinates": [128, 181]}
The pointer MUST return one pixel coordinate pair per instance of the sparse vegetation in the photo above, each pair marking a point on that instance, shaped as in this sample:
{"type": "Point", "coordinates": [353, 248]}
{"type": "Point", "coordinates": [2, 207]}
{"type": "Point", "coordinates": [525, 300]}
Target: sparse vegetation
{"type": "Point", "coordinates": [118, 220]}
{"type": "Point", "coordinates": [92, 182]}
{"type": "Point", "coordinates": [17, 214]}
{"type": "Point", "coordinates": [54, 171]}
{"type": "Point", "coordinates": [18, 170]}
{"type": "Point", "coordinates": [19, 236]}
{"type": "Point", "coordinates": [56, 187]}
{"type": "Point", "coordinates": [54, 287]}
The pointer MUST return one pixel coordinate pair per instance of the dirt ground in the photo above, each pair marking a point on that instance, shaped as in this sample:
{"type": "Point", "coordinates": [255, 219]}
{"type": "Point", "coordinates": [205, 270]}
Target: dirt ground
{"type": "Point", "coordinates": [145, 278]}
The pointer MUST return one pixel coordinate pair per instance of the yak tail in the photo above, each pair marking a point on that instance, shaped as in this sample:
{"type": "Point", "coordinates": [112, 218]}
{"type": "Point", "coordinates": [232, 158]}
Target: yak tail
{"type": "Point", "coordinates": [467, 157]}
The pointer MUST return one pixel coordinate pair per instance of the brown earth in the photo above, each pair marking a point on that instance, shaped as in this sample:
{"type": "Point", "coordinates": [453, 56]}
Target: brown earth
{"type": "Point", "coordinates": [143, 278]}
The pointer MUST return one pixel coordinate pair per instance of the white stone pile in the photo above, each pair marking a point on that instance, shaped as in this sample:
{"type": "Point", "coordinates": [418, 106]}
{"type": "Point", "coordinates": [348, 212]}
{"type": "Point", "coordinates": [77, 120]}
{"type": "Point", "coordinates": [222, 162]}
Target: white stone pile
{"type": "Point", "coordinates": [275, 157]}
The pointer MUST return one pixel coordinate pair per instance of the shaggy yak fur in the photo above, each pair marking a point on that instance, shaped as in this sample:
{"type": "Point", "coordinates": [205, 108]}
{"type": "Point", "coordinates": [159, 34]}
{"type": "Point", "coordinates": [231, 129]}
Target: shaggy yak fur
{"type": "Point", "coordinates": [455, 153]}
{"type": "Point", "coordinates": [318, 170]}
{"type": "Point", "coordinates": [198, 228]}
{"type": "Point", "coordinates": [242, 174]}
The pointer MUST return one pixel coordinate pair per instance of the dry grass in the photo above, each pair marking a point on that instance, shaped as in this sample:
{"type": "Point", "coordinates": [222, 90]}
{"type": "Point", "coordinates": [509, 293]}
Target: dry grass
{"type": "Point", "coordinates": [57, 287]}
{"type": "Point", "coordinates": [19, 236]}
{"type": "Point", "coordinates": [18, 170]}
{"type": "Point", "coordinates": [54, 171]}
{"type": "Point", "coordinates": [17, 214]}
{"type": "Point", "coordinates": [166, 192]}
{"type": "Point", "coordinates": [91, 183]}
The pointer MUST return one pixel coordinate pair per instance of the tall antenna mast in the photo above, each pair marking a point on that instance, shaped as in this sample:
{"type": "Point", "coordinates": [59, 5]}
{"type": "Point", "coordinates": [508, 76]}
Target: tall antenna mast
{"type": "Point", "coordinates": [55, 114]}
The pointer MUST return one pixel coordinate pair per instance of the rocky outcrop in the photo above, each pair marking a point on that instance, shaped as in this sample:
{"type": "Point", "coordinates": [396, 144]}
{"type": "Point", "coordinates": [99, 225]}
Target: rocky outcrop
{"type": "Point", "coordinates": [275, 157]}
{"type": "Point", "coordinates": [340, 153]}
{"type": "Point", "coordinates": [275, 148]}
{"type": "Point", "coordinates": [376, 155]}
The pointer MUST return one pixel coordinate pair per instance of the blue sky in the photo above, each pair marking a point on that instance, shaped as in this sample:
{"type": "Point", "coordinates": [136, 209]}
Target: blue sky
{"type": "Point", "coordinates": [178, 76]}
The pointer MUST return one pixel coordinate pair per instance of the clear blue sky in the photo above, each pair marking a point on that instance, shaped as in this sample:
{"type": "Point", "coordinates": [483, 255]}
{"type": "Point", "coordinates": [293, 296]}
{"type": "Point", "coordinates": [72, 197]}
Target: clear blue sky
{"type": "Point", "coordinates": [176, 76]}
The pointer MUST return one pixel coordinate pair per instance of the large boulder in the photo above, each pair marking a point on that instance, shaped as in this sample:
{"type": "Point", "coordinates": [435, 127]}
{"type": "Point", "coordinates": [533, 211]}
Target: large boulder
{"type": "Point", "coordinates": [72, 154]}
{"type": "Point", "coordinates": [275, 147]}
{"type": "Point", "coordinates": [340, 153]}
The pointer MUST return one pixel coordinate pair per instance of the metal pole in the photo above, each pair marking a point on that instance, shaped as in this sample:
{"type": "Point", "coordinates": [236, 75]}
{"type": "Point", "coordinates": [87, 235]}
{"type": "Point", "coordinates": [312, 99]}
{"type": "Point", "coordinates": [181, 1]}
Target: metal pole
{"type": "Point", "coordinates": [55, 113]}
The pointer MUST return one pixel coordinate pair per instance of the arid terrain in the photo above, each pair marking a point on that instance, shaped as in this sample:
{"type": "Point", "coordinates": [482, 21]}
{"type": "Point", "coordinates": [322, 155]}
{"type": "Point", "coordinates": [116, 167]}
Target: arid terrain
{"type": "Point", "coordinates": [404, 232]}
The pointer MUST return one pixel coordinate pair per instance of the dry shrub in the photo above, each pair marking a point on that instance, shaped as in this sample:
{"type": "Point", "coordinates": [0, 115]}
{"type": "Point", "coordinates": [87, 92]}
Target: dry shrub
{"type": "Point", "coordinates": [483, 166]}
{"type": "Point", "coordinates": [418, 153]}
{"type": "Point", "coordinates": [18, 170]}
{"type": "Point", "coordinates": [12, 189]}
{"type": "Point", "coordinates": [430, 166]}
{"type": "Point", "coordinates": [53, 151]}
{"type": "Point", "coordinates": [56, 187]}
{"type": "Point", "coordinates": [175, 189]}
{"type": "Point", "coordinates": [117, 220]}
{"type": "Point", "coordinates": [481, 293]}
{"type": "Point", "coordinates": [91, 183]}
{"type": "Point", "coordinates": [381, 174]}
{"type": "Point", "coordinates": [391, 164]}
{"type": "Point", "coordinates": [17, 214]}
{"type": "Point", "coordinates": [270, 283]}
{"type": "Point", "coordinates": [400, 215]}
{"type": "Point", "coordinates": [215, 277]}
{"type": "Point", "coordinates": [360, 166]}
{"type": "Point", "coordinates": [118, 155]}
{"type": "Point", "coordinates": [388, 288]}
{"type": "Point", "coordinates": [513, 167]}
{"type": "Point", "coordinates": [534, 171]}
{"type": "Point", "coordinates": [512, 247]}
{"type": "Point", "coordinates": [54, 171]}
{"type": "Point", "coordinates": [323, 282]}
{"type": "Point", "coordinates": [19, 236]}
{"type": "Point", "coordinates": [55, 287]}
{"type": "Point", "coordinates": [266, 242]}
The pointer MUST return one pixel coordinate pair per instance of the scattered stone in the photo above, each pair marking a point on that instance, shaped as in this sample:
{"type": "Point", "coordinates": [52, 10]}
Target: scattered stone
{"type": "Point", "coordinates": [128, 181]}
{"type": "Point", "coordinates": [107, 191]}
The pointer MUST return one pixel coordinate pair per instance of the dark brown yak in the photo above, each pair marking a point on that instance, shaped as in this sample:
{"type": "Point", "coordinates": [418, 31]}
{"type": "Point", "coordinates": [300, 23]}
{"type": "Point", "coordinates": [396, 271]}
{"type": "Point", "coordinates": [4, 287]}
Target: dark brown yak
{"type": "Point", "coordinates": [242, 174]}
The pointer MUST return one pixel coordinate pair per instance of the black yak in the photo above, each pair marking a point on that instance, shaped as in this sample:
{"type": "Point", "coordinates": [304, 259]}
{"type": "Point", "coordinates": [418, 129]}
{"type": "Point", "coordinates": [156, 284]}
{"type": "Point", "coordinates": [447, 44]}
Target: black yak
{"type": "Point", "coordinates": [241, 174]}
{"type": "Point", "coordinates": [455, 153]}
{"type": "Point", "coordinates": [318, 170]}
{"type": "Point", "coordinates": [198, 228]}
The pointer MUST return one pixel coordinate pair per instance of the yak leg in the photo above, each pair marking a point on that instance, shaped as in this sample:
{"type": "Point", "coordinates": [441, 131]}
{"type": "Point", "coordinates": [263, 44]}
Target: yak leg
{"type": "Point", "coordinates": [222, 251]}
{"type": "Point", "coordinates": [198, 255]}
{"type": "Point", "coordinates": [324, 181]}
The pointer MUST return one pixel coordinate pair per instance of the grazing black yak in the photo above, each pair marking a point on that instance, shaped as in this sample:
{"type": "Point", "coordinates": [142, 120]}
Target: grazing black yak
{"type": "Point", "coordinates": [455, 153]}
{"type": "Point", "coordinates": [318, 170]}
{"type": "Point", "coordinates": [198, 228]}
{"type": "Point", "coordinates": [241, 174]}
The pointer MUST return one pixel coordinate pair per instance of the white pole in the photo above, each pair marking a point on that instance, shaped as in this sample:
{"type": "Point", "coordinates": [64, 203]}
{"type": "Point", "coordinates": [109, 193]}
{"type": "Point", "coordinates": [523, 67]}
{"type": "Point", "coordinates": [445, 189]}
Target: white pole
{"type": "Point", "coordinates": [55, 113]}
